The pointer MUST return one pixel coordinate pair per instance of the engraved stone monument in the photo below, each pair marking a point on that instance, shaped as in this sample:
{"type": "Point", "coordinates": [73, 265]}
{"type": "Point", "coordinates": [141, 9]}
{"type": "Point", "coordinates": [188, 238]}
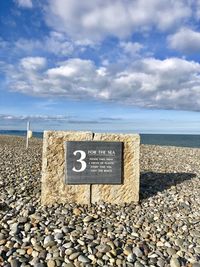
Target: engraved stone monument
{"type": "Point", "coordinates": [85, 167]}
{"type": "Point", "coordinates": [92, 162]}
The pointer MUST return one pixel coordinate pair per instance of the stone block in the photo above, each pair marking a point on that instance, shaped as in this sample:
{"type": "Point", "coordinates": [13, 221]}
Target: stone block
{"type": "Point", "coordinates": [129, 190]}
{"type": "Point", "coordinates": [54, 189]}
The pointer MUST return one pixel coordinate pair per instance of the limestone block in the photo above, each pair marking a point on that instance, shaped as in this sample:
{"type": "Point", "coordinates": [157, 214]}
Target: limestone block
{"type": "Point", "coordinates": [54, 190]}
{"type": "Point", "coordinates": [129, 190]}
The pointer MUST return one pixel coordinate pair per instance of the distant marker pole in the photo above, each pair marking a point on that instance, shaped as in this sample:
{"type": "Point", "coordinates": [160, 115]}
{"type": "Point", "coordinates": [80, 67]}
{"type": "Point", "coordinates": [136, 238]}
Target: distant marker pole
{"type": "Point", "coordinates": [27, 134]}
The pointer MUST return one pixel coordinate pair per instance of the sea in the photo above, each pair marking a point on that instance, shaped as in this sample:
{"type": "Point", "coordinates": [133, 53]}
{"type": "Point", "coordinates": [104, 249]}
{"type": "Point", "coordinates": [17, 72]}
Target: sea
{"type": "Point", "coordinates": [180, 140]}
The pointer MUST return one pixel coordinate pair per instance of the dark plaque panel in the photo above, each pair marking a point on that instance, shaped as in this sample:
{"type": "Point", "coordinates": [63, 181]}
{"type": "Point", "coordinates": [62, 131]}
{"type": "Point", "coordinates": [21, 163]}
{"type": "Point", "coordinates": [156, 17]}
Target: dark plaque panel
{"type": "Point", "coordinates": [93, 162]}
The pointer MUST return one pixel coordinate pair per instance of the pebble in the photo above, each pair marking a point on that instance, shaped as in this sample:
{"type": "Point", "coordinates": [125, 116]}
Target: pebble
{"type": "Point", "coordinates": [40, 264]}
{"type": "Point", "coordinates": [161, 263]}
{"type": "Point", "coordinates": [131, 257]}
{"type": "Point", "coordinates": [58, 236]}
{"type": "Point", "coordinates": [179, 242]}
{"type": "Point", "coordinates": [87, 219]}
{"type": "Point", "coordinates": [14, 228]}
{"type": "Point", "coordinates": [49, 241]}
{"type": "Point", "coordinates": [22, 219]}
{"type": "Point", "coordinates": [69, 251]}
{"type": "Point", "coordinates": [77, 211]}
{"type": "Point", "coordinates": [127, 250]}
{"type": "Point", "coordinates": [138, 264]}
{"type": "Point", "coordinates": [83, 259]}
{"type": "Point", "coordinates": [74, 255]}
{"type": "Point", "coordinates": [174, 262]}
{"type": "Point", "coordinates": [21, 251]}
{"type": "Point", "coordinates": [197, 250]}
{"type": "Point", "coordinates": [171, 251]}
{"type": "Point", "coordinates": [67, 245]}
{"type": "Point", "coordinates": [162, 229]}
{"type": "Point", "coordinates": [27, 227]}
{"type": "Point", "coordinates": [51, 263]}
{"type": "Point", "coordinates": [103, 248]}
{"type": "Point", "coordinates": [2, 236]}
{"type": "Point", "coordinates": [137, 252]}
{"type": "Point", "coordinates": [14, 263]}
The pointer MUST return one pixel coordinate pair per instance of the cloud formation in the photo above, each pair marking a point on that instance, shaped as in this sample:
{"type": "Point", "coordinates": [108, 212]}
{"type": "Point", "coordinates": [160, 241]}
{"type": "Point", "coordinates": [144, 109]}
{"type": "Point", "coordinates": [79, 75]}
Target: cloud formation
{"type": "Point", "coordinates": [185, 40]}
{"type": "Point", "coordinates": [55, 43]}
{"type": "Point", "coordinates": [57, 119]}
{"type": "Point", "coordinates": [149, 82]}
{"type": "Point", "coordinates": [131, 48]}
{"type": "Point", "coordinates": [32, 63]}
{"type": "Point", "coordinates": [94, 20]}
{"type": "Point", "coordinates": [25, 3]}
{"type": "Point", "coordinates": [103, 50]}
{"type": "Point", "coordinates": [33, 117]}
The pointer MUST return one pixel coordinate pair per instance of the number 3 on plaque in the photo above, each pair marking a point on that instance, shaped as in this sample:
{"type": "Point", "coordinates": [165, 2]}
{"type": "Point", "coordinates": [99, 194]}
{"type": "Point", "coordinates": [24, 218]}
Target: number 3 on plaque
{"type": "Point", "coordinates": [81, 160]}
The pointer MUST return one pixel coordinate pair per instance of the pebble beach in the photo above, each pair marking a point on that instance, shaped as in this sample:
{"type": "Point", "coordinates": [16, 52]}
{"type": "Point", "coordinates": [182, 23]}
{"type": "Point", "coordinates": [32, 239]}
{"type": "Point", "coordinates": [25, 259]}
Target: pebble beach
{"type": "Point", "coordinates": [162, 230]}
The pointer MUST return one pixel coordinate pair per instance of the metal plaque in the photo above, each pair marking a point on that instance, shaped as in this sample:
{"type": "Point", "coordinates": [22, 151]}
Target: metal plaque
{"type": "Point", "coordinates": [93, 162]}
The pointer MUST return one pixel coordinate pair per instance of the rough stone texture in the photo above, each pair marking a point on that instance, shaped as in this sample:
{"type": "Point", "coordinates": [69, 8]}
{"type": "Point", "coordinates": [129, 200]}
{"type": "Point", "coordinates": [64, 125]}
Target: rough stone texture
{"type": "Point", "coordinates": [54, 190]}
{"type": "Point", "coordinates": [53, 169]}
{"type": "Point", "coordinates": [129, 190]}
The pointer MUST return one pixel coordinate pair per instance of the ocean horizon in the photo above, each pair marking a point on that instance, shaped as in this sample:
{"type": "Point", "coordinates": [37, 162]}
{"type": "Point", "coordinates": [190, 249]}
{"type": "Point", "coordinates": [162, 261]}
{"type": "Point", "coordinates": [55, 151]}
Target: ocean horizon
{"type": "Point", "coordinates": [180, 140]}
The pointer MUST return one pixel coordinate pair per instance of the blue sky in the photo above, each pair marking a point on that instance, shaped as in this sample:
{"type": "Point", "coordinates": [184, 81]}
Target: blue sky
{"type": "Point", "coordinates": [115, 65]}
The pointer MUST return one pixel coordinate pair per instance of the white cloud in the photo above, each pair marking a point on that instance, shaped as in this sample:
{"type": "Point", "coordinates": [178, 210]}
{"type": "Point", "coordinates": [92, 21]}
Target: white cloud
{"type": "Point", "coordinates": [28, 45]}
{"type": "Point", "coordinates": [33, 117]}
{"type": "Point", "coordinates": [131, 48]}
{"type": "Point", "coordinates": [33, 63]}
{"type": "Point", "coordinates": [55, 43]}
{"type": "Point", "coordinates": [197, 9]}
{"type": "Point", "coordinates": [72, 68]}
{"type": "Point", "coordinates": [56, 120]}
{"type": "Point", "coordinates": [172, 83]}
{"type": "Point", "coordinates": [25, 3]}
{"type": "Point", "coordinates": [185, 40]}
{"type": "Point", "coordinates": [166, 84]}
{"type": "Point", "coordinates": [94, 20]}
{"type": "Point", "coordinates": [73, 78]}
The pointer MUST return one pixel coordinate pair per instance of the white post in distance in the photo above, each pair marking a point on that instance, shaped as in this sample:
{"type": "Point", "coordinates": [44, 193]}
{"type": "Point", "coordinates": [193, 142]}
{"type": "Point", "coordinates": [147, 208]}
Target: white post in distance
{"type": "Point", "coordinates": [28, 134]}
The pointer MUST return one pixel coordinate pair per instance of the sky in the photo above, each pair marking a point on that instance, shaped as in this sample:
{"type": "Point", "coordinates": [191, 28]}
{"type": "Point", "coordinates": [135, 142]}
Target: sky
{"type": "Point", "coordinates": [114, 65]}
